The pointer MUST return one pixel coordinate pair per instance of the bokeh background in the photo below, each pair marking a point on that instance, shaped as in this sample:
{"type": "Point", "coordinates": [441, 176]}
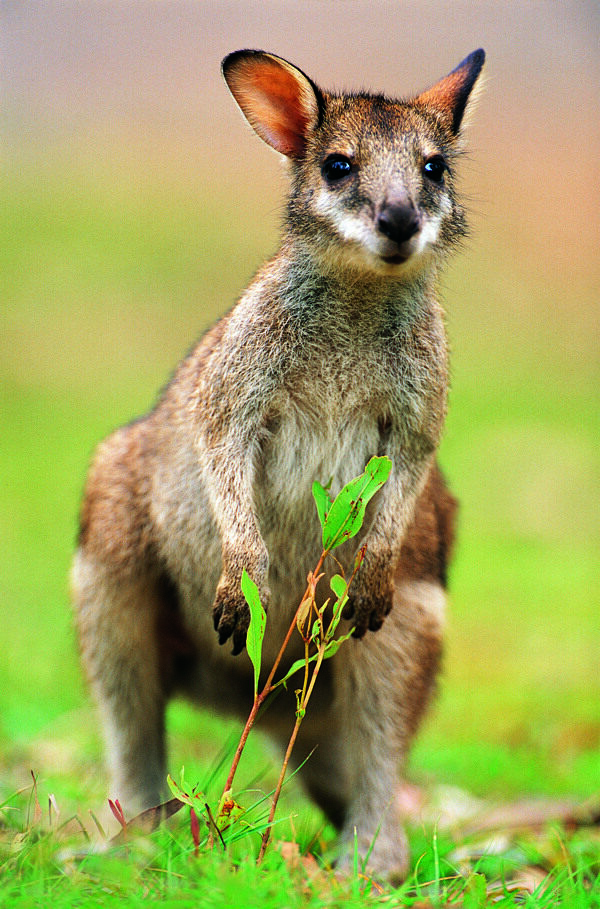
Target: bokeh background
{"type": "Point", "coordinates": [136, 204]}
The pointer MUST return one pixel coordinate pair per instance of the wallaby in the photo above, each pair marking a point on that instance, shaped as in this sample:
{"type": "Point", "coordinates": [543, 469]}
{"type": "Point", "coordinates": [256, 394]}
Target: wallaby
{"type": "Point", "coordinates": [335, 352]}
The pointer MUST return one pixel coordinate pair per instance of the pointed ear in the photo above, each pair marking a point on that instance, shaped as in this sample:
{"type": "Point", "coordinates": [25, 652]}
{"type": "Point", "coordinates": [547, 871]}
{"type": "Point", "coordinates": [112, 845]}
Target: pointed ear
{"type": "Point", "coordinates": [450, 95]}
{"type": "Point", "coordinates": [280, 103]}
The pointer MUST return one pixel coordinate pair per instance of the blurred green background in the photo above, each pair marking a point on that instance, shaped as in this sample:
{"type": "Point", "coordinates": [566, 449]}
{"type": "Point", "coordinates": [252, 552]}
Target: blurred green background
{"type": "Point", "coordinates": [135, 207]}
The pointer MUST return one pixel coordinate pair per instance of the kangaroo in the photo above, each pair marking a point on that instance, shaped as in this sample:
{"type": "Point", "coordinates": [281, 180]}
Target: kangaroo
{"type": "Point", "coordinates": [335, 352]}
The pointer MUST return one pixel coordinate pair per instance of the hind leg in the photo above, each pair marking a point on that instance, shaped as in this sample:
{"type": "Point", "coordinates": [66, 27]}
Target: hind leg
{"type": "Point", "coordinates": [117, 620]}
{"type": "Point", "coordinates": [359, 726]}
{"type": "Point", "coordinates": [385, 684]}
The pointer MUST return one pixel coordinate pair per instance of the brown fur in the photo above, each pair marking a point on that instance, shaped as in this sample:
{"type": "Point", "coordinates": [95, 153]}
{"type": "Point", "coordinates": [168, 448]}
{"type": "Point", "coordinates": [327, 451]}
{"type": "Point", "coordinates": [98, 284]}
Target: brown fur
{"type": "Point", "coordinates": [335, 352]}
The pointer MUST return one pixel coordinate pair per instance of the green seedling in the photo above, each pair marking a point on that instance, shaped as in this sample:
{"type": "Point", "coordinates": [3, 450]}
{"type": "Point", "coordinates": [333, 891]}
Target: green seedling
{"type": "Point", "coordinates": [341, 519]}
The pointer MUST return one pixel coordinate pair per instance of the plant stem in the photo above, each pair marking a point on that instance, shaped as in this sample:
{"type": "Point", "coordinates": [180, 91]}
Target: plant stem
{"type": "Point", "coordinates": [267, 834]}
{"type": "Point", "coordinates": [258, 700]}
{"type": "Point", "coordinates": [268, 687]}
{"type": "Point", "coordinates": [299, 717]}
{"type": "Point", "coordinates": [290, 631]}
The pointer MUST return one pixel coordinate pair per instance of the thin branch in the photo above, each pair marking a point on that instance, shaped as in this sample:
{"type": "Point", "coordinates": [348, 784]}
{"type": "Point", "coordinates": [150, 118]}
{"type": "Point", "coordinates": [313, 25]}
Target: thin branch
{"type": "Point", "coordinates": [268, 687]}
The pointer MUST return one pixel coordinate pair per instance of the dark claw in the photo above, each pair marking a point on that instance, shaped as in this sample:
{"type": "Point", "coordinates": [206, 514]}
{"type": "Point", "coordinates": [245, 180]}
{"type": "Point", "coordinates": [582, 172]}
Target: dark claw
{"type": "Point", "coordinates": [224, 618]}
{"type": "Point", "coordinates": [375, 622]}
{"type": "Point", "coordinates": [368, 612]}
{"type": "Point", "coordinates": [359, 632]}
{"type": "Point", "coordinates": [231, 618]}
{"type": "Point", "coordinates": [239, 642]}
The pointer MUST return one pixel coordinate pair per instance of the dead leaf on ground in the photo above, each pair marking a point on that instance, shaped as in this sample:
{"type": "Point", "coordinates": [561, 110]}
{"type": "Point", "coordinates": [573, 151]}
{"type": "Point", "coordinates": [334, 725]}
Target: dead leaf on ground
{"type": "Point", "coordinates": [149, 820]}
{"type": "Point", "coordinates": [450, 808]}
{"type": "Point", "coordinates": [290, 852]}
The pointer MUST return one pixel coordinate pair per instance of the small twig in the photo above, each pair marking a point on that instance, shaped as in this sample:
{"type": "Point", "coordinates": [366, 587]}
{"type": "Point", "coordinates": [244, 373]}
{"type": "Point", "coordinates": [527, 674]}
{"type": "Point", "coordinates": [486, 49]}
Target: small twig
{"type": "Point", "coordinates": [268, 686]}
{"type": "Point", "coordinates": [531, 814]}
{"type": "Point", "coordinates": [300, 713]}
{"type": "Point", "coordinates": [37, 808]}
{"type": "Point", "coordinates": [212, 825]}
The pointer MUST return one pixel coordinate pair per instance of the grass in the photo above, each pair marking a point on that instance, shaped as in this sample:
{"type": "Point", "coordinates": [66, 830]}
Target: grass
{"type": "Point", "coordinates": [51, 859]}
{"type": "Point", "coordinates": [107, 277]}
{"type": "Point", "coordinates": [45, 856]}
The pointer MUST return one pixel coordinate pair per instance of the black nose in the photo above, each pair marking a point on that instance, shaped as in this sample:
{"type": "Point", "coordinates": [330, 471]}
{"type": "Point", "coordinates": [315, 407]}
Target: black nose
{"type": "Point", "coordinates": [398, 221]}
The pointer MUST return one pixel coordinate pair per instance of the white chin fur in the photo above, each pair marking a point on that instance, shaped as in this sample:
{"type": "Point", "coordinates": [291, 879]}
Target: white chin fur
{"type": "Point", "coordinates": [363, 247]}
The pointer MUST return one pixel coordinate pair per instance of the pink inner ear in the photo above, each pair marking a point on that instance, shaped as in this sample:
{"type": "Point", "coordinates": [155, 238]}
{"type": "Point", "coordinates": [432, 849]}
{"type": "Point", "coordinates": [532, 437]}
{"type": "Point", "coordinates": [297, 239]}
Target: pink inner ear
{"type": "Point", "coordinates": [450, 95]}
{"type": "Point", "coordinates": [445, 92]}
{"type": "Point", "coordinates": [278, 106]}
{"type": "Point", "coordinates": [446, 95]}
{"type": "Point", "coordinates": [442, 96]}
{"type": "Point", "coordinates": [278, 109]}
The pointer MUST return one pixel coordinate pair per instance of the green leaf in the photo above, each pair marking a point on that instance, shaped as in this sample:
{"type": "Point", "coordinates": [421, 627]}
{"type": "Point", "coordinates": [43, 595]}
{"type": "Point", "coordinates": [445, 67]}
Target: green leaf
{"type": "Point", "coordinates": [475, 892]}
{"type": "Point", "coordinates": [322, 499]}
{"type": "Point", "coordinates": [299, 664]}
{"type": "Point", "coordinates": [330, 649]}
{"type": "Point", "coordinates": [334, 645]}
{"type": "Point", "coordinates": [228, 811]}
{"type": "Point", "coordinates": [346, 514]}
{"type": "Point", "coordinates": [340, 588]}
{"type": "Point", "coordinates": [258, 624]}
{"type": "Point", "coordinates": [191, 799]}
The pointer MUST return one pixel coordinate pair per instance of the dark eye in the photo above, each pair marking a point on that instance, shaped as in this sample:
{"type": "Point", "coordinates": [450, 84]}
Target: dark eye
{"type": "Point", "coordinates": [434, 169]}
{"type": "Point", "coordinates": [336, 167]}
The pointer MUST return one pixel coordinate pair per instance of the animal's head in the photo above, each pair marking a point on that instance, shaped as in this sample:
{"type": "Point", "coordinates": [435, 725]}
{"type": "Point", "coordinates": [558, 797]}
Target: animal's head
{"type": "Point", "coordinates": [372, 177]}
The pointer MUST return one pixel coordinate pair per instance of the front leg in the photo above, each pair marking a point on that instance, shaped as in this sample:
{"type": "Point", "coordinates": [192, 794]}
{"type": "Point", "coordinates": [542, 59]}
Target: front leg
{"type": "Point", "coordinates": [238, 389]}
{"type": "Point", "coordinates": [231, 615]}
{"type": "Point", "coordinates": [230, 484]}
{"type": "Point", "coordinates": [371, 594]}
{"type": "Point", "coordinates": [370, 597]}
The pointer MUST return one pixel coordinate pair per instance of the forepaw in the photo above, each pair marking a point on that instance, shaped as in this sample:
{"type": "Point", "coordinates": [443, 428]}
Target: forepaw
{"type": "Point", "coordinates": [367, 611]}
{"type": "Point", "coordinates": [231, 614]}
